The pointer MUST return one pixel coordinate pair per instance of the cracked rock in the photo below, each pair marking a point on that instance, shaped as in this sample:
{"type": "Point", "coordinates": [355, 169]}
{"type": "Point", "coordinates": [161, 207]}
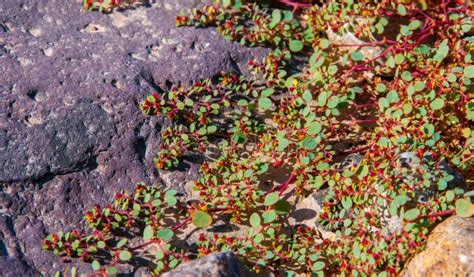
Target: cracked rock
{"type": "Point", "coordinates": [64, 143]}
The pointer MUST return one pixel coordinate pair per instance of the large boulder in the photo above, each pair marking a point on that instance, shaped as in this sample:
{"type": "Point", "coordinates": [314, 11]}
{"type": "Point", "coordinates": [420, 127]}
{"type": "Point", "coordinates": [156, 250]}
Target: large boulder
{"type": "Point", "coordinates": [449, 250]}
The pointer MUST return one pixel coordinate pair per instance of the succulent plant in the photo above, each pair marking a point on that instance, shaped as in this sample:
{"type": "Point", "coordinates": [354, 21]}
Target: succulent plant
{"type": "Point", "coordinates": [401, 100]}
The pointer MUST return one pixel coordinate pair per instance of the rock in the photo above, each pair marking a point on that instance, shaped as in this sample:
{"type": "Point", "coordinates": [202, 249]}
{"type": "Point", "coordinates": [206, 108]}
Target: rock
{"type": "Point", "coordinates": [66, 142]}
{"type": "Point", "coordinates": [348, 38]}
{"type": "Point", "coordinates": [224, 264]}
{"type": "Point", "coordinates": [306, 211]}
{"type": "Point", "coordinates": [71, 132]}
{"type": "Point", "coordinates": [449, 250]}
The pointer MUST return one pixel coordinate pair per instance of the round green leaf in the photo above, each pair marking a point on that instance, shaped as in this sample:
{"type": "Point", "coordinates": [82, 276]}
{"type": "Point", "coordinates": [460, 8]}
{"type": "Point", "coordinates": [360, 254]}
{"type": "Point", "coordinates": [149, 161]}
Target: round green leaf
{"type": "Point", "coordinates": [201, 219]}
{"type": "Point", "coordinates": [95, 265]}
{"type": "Point", "coordinates": [111, 270]}
{"type": "Point", "coordinates": [310, 143]}
{"type": "Point", "coordinates": [255, 220]}
{"type": "Point", "coordinates": [464, 208]}
{"type": "Point", "coordinates": [165, 234]}
{"type": "Point", "coordinates": [401, 10]}
{"type": "Point", "coordinates": [101, 244]}
{"type": "Point", "coordinates": [314, 128]}
{"type": "Point", "coordinates": [317, 266]}
{"type": "Point", "coordinates": [381, 87]}
{"type": "Point", "coordinates": [148, 233]}
{"type": "Point", "coordinates": [469, 71]}
{"type": "Point", "coordinates": [437, 104]}
{"type": "Point", "coordinates": [411, 214]}
{"type": "Point", "coordinates": [296, 45]}
{"type": "Point", "coordinates": [324, 43]}
{"type": "Point", "coordinates": [271, 199]}
{"type": "Point", "coordinates": [269, 216]}
{"type": "Point", "coordinates": [357, 56]}
{"type": "Point", "coordinates": [450, 195]}
{"type": "Point", "coordinates": [125, 255]}
{"type": "Point", "coordinates": [264, 103]}
{"type": "Point", "coordinates": [258, 238]}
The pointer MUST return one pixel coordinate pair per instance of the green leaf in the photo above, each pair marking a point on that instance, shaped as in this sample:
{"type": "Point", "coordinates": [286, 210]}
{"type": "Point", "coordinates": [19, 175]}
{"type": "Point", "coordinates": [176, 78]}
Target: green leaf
{"type": "Point", "coordinates": [211, 129]}
{"type": "Point", "coordinates": [356, 250]}
{"type": "Point", "coordinates": [314, 128]}
{"type": "Point", "coordinates": [324, 43]}
{"type": "Point", "coordinates": [469, 71]}
{"type": "Point", "coordinates": [332, 69]}
{"type": "Point", "coordinates": [125, 255]}
{"type": "Point", "coordinates": [437, 104]}
{"type": "Point", "coordinates": [317, 266]}
{"type": "Point", "coordinates": [411, 214]}
{"type": "Point", "coordinates": [307, 96]}
{"type": "Point", "coordinates": [267, 92]}
{"type": "Point", "coordinates": [121, 243]}
{"type": "Point", "coordinates": [264, 103]}
{"type": "Point", "coordinates": [357, 56]}
{"type": "Point", "coordinates": [392, 96]}
{"type": "Point", "coordinates": [381, 87]}
{"type": "Point", "coordinates": [271, 199]}
{"type": "Point", "coordinates": [442, 184]}
{"type": "Point", "coordinates": [95, 265]}
{"type": "Point", "coordinates": [401, 10]}
{"type": "Point", "coordinates": [258, 238]}
{"type": "Point", "coordinates": [310, 143]}
{"type": "Point", "coordinates": [255, 220]}
{"type": "Point", "coordinates": [399, 58]}
{"type": "Point", "coordinates": [276, 18]}
{"type": "Point", "coordinates": [101, 244]}
{"type": "Point", "coordinates": [165, 234]}
{"type": "Point", "coordinates": [362, 171]}
{"type": "Point", "coordinates": [159, 255]}
{"type": "Point", "coordinates": [346, 203]}
{"type": "Point", "coordinates": [148, 233]}
{"type": "Point", "coordinates": [201, 219]}
{"type": "Point", "coordinates": [450, 195]}
{"type": "Point", "coordinates": [296, 45]}
{"type": "Point", "coordinates": [464, 207]}
{"type": "Point", "coordinates": [269, 216]}
{"type": "Point", "coordinates": [188, 102]}
{"type": "Point", "coordinates": [442, 51]}
{"type": "Point", "coordinates": [414, 24]}
{"type": "Point", "coordinates": [170, 200]}
{"type": "Point", "coordinates": [111, 270]}
{"type": "Point", "coordinates": [239, 137]}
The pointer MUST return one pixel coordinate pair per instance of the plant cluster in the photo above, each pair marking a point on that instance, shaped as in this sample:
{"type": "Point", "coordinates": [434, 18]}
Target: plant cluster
{"type": "Point", "coordinates": [399, 96]}
{"type": "Point", "coordinates": [108, 5]}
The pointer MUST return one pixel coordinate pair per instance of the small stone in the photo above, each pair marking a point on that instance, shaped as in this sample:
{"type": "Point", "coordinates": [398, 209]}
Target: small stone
{"type": "Point", "coordinates": [93, 28]}
{"type": "Point", "coordinates": [306, 211]}
{"type": "Point", "coordinates": [48, 52]}
{"type": "Point", "coordinates": [24, 61]}
{"type": "Point", "coordinates": [218, 264]}
{"type": "Point", "coordinates": [36, 32]}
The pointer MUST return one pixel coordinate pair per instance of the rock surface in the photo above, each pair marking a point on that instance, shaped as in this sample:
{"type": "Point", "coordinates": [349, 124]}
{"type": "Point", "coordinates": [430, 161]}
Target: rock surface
{"type": "Point", "coordinates": [449, 251]}
{"type": "Point", "coordinates": [71, 132]}
{"type": "Point", "coordinates": [221, 264]}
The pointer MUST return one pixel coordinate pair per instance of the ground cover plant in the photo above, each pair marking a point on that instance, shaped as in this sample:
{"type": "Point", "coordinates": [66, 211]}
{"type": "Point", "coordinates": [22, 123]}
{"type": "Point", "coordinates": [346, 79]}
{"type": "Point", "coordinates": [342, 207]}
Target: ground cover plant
{"type": "Point", "coordinates": [109, 5]}
{"type": "Point", "coordinates": [380, 124]}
